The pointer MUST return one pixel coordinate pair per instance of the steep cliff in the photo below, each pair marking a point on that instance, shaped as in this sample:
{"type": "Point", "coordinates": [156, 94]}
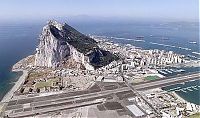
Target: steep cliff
{"type": "Point", "coordinates": [59, 43]}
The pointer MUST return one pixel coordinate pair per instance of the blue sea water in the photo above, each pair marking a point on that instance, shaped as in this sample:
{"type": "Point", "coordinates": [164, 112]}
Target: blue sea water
{"type": "Point", "coordinates": [18, 40]}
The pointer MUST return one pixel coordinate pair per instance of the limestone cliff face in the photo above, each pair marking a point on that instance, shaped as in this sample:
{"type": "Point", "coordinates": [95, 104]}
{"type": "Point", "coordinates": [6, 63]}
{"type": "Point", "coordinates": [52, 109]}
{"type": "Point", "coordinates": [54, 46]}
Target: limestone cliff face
{"type": "Point", "coordinates": [61, 45]}
{"type": "Point", "coordinates": [53, 48]}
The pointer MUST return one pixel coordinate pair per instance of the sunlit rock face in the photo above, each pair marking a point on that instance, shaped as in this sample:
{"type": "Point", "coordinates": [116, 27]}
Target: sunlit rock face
{"type": "Point", "coordinates": [53, 48]}
{"type": "Point", "coordinates": [61, 45]}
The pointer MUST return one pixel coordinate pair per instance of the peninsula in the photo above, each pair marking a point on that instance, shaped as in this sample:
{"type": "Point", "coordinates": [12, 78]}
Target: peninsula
{"type": "Point", "coordinates": [74, 75]}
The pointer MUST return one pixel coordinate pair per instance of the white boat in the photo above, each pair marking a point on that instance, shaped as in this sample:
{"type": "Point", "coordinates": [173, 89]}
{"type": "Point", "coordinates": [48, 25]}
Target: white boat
{"type": "Point", "coordinates": [177, 90]}
{"type": "Point", "coordinates": [194, 88]}
{"type": "Point", "coordinates": [162, 72]}
{"type": "Point", "coordinates": [168, 71]}
{"type": "Point", "coordinates": [189, 89]}
{"type": "Point", "coordinates": [196, 53]}
{"type": "Point", "coordinates": [181, 70]}
{"type": "Point", "coordinates": [172, 70]}
{"type": "Point", "coordinates": [193, 42]}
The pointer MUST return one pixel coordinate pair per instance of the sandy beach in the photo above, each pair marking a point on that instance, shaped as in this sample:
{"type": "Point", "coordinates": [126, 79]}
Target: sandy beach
{"type": "Point", "coordinates": [19, 82]}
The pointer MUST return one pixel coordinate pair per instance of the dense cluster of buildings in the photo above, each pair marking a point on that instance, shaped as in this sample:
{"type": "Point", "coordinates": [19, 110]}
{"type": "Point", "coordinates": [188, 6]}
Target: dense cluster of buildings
{"type": "Point", "coordinates": [137, 57]}
{"type": "Point", "coordinates": [169, 104]}
{"type": "Point", "coordinates": [138, 64]}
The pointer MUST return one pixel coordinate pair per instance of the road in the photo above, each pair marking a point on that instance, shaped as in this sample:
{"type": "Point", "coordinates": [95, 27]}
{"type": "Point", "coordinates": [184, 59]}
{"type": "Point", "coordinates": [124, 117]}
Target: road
{"type": "Point", "coordinates": [138, 94]}
{"type": "Point", "coordinates": [19, 82]}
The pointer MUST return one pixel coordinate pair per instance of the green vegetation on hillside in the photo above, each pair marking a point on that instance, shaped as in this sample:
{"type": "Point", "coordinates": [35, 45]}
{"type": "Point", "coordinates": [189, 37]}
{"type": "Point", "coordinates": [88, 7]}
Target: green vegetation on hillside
{"type": "Point", "coordinates": [84, 44]}
{"type": "Point", "coordinates": [80, 41]}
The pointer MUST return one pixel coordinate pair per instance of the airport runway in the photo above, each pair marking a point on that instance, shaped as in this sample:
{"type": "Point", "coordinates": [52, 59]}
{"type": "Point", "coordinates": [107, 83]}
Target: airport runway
{"type": "Point", "coordinates": [166, 82]}
{"type": "Point", "coordinates": [38, 105]}
{"type": "Point", "coordinates": [29, 106]}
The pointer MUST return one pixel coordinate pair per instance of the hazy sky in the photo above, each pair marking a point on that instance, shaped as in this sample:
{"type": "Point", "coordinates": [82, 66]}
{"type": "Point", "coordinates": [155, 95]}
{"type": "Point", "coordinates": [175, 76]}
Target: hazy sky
{"type": "Point", "coordinates": [156, 9]}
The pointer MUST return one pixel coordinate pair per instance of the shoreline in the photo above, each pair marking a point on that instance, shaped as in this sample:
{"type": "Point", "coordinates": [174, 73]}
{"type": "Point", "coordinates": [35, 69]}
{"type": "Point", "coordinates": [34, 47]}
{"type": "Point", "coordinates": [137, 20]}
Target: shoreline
{"type": "Point", "coordinates": [17, 84]}
{"type": "Point", "coordinates": [182, 99]}
{"type": "Point", "coordinates": [179, 97]}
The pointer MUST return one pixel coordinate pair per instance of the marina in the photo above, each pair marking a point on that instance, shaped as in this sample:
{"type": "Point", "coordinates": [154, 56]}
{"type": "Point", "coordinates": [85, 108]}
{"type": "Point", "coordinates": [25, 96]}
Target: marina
{"type": "Point", "coordinates": [170, 71]}
{"type": "Point", "coordinates": [178, 89]}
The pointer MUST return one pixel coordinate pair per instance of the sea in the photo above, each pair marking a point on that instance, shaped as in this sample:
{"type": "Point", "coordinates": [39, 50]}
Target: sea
{"type": "Point", "coordinates": [19, 39]}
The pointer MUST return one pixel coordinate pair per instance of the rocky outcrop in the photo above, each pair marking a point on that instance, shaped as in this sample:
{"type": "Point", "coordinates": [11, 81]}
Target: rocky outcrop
{"type": "Point", "coordinates": [51, 51]}
{"type": "Point", "coordinates": [59, 43]}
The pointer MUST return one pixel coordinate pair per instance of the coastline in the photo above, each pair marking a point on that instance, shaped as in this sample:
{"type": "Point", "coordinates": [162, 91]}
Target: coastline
{"type": "Point", "coordinates": [17, 84]}
{"type": "Point", "coordinates": [179, 98]}
{"type": "Point", "coordinates": [174, 94]}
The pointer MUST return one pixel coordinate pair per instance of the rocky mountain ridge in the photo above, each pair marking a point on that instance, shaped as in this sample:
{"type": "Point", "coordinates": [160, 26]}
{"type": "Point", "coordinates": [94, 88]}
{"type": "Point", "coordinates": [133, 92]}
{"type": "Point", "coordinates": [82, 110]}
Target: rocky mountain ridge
{"type": "Point", "coordinates": [60, 44]}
